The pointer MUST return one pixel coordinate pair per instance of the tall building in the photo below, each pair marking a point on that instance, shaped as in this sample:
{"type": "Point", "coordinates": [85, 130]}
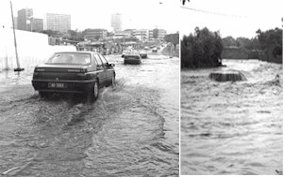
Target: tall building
{"type": "Point", "coordinates": [37, 25]}
{"type": "Point", "coordinates": [142, 34]}
{"type": "Point", "coordinates": [95, 34]}
{"type": "Point", "coordinates": [58, 22]}
{"type": "Point", "coordinates": [24, 19]}
{"type": "Point", "coordinates": [150, 35]}
{"type": "Point", "coordinates": [123, 34]}
{"type": "Point", "coordinates": [116, 22]}
{"type": "Point", "coordinates": [159, 33]}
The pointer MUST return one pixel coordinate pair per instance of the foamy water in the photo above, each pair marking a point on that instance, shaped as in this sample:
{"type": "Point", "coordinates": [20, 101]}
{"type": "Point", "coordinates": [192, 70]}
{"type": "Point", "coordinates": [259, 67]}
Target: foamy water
{"type": "Point", "coordinates": [131, 130]}
{"type": "Point", "coordinates": [232, 128]}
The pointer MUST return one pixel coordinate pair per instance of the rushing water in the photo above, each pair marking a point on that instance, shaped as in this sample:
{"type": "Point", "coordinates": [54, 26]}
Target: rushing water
{"type": "Point", "coordinates": [232, 127]}
{"type": "Point", "coordinates": [131, 130]}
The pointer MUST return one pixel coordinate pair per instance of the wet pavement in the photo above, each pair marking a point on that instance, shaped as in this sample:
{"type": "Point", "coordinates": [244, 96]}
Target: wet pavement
{"type": "Point", "coordinates": [131, 130]}
{"type": "Point", "coordinates": [232, 127]}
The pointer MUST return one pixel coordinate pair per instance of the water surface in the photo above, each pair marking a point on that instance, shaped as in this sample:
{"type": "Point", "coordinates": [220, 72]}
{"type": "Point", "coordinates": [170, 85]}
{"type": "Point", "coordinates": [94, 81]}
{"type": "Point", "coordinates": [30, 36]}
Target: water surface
{"type": "Point", "coordinates": [232, 127]}
{"type": "Point", "coordinates": [131, 130]}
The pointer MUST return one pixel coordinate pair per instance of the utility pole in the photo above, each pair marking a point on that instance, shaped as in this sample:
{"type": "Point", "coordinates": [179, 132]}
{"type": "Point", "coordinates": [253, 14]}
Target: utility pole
{"type": "Point", "coordinates": [18, 69]}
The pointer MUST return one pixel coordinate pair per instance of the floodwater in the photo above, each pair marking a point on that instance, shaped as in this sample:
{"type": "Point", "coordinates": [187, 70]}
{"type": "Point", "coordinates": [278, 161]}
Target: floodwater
{"type": "Point", "coordinates": [232, 127]}
{"type": "Point", "coordinates": [131, 130]}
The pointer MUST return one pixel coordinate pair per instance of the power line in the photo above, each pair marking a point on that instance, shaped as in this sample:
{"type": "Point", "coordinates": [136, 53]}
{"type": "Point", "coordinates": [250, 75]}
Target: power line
{"type": "Point", "coordinates": [211, 12]}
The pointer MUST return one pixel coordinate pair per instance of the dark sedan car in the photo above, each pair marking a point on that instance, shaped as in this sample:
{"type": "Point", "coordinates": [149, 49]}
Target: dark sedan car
{"type": "Point", "coordinates": [154, 50]}
{"type": "Point", "coordinates": [143, 54]}
{"type": "Point", "coordinates": [132, 58]}
{"type": "Point", "coordinates": [74, 72]}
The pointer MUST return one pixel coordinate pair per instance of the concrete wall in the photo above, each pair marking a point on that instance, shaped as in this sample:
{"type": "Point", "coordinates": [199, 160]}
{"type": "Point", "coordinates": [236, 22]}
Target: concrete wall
{"type": "Point", "coordinates": [33, 48]}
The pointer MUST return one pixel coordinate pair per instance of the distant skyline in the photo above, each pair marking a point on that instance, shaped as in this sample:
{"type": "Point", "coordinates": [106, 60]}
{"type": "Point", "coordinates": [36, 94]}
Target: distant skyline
{"type": "Point", "coordinates": [237, 18]}
{"type": "Point", "coordinates": [147, 14]}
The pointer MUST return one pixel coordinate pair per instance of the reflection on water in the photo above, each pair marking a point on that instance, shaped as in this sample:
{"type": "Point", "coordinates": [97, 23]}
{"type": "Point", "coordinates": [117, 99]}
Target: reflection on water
{"type": "Point", "coordinates": [232, 128]}
{"type": "Point", "coordinates": [131, 130]}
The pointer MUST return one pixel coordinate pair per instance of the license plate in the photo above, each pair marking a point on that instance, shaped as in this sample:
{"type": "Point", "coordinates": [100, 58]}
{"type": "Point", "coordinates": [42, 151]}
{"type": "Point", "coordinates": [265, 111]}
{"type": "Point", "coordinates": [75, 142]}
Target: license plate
{"type": "Point", "coordinates": [55, 85]}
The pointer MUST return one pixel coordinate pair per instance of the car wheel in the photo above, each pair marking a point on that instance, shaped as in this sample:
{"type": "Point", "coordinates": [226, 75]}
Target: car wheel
{"type": "Point", "coordinates": [95, 93]}
{"type": "Point", "coordinates": [113, 81]}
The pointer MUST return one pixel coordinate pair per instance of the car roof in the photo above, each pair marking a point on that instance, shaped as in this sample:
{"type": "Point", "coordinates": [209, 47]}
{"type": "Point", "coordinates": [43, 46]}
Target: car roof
{"type": "Point", "coordinates": [132, 54]}
{"type": "Point", "coordinates": [78, 52]}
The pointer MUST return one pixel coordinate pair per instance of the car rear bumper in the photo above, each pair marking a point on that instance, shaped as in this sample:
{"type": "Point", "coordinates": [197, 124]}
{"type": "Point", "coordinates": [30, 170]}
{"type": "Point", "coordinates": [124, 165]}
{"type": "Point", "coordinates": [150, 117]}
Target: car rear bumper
{"type": "Point", "coordinates": [63, 86]}
{"type": "Point", "coordinates": [132, 61]}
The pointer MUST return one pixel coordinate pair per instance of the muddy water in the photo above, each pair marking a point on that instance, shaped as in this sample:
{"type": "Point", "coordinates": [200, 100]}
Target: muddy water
{"type": "Point", "coordinates": [232, 128]}
{"type": "Point", "coordinates": [131, 130]}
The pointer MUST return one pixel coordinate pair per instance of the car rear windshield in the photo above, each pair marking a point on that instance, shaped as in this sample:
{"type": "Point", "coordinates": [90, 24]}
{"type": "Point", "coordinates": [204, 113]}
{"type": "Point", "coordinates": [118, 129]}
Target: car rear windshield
{"type": "Point", "coordinates": [70, 59]}
{"type": "Point", "coordinates": [132, 57]}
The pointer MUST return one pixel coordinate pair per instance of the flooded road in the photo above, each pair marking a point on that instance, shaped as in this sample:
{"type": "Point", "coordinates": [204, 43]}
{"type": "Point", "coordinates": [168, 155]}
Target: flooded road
{"type": "Point", "coordinates": [232, 128]}
{"type": "Point", "coordinates": [131, 130]}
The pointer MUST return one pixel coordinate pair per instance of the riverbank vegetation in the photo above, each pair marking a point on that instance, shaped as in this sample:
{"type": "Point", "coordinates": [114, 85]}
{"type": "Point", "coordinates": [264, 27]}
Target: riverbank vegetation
{"type": "Point", "coordinates": [271, 45]}
{"type": "Point", "coordinates": [201, 49]}
{"type": "Point", "coordinates": [204, 48]}
{"type": "Point", "coordinates": [266, 46]}
{"type": "Point", "coordinates": [172, 48]}
{"type": "Point", "coordinates": [172, 38]}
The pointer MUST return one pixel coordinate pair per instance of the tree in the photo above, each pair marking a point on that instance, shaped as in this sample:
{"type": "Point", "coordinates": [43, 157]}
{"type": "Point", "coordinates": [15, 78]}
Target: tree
{"type": "Point", "coordinates": [271, 43]}
{"type": "Point", "coordinates": [243, 42]}
{"type": "Point", "coordinates": [229, 41]}
{"type": "Point", "coordinates": [201, 49]}
{"type": "Point", "coordinates": [172, 38]}
{"type": "Point", "coordinates": [51, 33]}
{"type": "Point", "coordinates": [75, 35]}
{"type": "Point", "coordinates": [155, 33]}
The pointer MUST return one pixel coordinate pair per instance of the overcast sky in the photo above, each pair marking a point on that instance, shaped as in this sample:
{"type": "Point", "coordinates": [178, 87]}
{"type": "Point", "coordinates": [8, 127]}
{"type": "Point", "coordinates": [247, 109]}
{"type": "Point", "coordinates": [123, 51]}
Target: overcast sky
{"type": "Point", "coordinates": [137, 14]}
{"type": "Point", "coordinates": [232, 17]}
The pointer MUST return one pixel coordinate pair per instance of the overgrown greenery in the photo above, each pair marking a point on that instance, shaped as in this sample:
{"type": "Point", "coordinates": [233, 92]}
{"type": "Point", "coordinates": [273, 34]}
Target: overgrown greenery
{"type": "Point", "coordinates": [241, 42]}
{"type": "Point", "coordinates": [172, 38]}
{"type": "Point", "coordinates": [201, 49]}
{"type": "Point", "coordinates": [266, 45]}
{"type": "Point", "coordinates": [75, 35]}
{"type": "Point", "coordinates": [70, 35]}
{"type": "Point", "coordinates": [271, 43]}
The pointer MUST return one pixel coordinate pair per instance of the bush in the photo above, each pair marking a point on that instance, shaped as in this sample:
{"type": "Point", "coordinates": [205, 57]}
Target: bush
{"type": "Point", "coordinates": [271, 44]}
{"type": "Point", "coordinates": [201, 49]}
